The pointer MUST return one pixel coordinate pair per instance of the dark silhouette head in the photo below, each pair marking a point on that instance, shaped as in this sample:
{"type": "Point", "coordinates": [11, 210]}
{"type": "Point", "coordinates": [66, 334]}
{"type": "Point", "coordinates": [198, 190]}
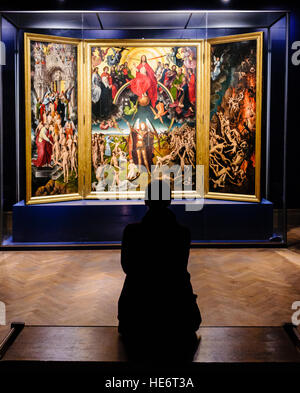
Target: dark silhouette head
{"type": "Point", "coordinates": [158, 194]}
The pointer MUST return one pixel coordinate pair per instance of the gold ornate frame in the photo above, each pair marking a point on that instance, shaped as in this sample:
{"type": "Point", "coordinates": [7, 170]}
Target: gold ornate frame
{"type": "Point", "coordinates": [258, 36]}
{"type": "Point", "coordinates": [84, 113]}
{"type": "Point", "coordinates": [199, 44]}
{"type": "Point", "coordinates": [28, 37]}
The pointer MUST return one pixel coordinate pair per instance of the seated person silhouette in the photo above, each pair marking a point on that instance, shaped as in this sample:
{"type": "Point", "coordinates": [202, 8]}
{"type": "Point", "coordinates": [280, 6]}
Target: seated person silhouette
{"type": "Point", "coordinates": [157, 310]}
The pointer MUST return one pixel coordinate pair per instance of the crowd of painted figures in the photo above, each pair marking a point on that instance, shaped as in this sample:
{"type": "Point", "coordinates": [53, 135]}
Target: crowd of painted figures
{"type": "Point", "coordinates": [232, 130]}
{"type": "Point", "coordinates": [56, 137]}
{"type": "Point", "coordinates": [180, 81]}
{"type": "Point", "coordinates": [106, 152]}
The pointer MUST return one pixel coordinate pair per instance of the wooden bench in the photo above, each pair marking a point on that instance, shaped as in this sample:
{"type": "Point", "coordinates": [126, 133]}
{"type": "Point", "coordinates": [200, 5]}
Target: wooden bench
{"type": "Point", "coordinates": [90, 345]}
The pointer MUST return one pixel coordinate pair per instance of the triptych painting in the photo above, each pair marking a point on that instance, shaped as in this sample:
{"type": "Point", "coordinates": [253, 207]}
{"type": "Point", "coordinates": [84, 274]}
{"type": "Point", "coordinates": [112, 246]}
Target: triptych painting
{"type": "Point", "coordinates": [104, 117]}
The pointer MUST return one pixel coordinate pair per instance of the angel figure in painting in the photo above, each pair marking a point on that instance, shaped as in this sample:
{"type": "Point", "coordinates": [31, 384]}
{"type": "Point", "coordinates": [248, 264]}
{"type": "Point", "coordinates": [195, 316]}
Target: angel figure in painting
{"type": "Point", "coordinates": [144, 85]}
{"type": "Point", "coordinates": [114, 59]}
{"type": "Point", "coordinates": [141, 140]}
{"type": "Point", "coordinates": [98, 56]}
{"type": "Point", "coordinates": [217, 67]}
{"type": "Point", "coordinates": [189, 60]}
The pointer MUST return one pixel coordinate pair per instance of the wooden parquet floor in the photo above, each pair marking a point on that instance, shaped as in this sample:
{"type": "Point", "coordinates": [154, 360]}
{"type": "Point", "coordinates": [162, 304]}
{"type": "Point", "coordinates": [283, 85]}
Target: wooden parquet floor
{"type": "Point", "coordinates": [235, 287]}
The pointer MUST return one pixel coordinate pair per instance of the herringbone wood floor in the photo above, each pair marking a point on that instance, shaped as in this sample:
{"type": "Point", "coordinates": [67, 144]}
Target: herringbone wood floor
{"type": "Point", "coordinates": [235, 287]}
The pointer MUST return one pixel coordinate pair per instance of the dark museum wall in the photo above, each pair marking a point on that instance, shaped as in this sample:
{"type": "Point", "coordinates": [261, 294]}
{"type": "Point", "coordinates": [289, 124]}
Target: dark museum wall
{"type": "Point", "coordinates": [293, 163]}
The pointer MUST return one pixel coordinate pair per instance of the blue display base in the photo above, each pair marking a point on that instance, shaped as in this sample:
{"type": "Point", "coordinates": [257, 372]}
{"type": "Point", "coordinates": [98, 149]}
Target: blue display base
{"type": "Point", "coordinates": [90, 221]}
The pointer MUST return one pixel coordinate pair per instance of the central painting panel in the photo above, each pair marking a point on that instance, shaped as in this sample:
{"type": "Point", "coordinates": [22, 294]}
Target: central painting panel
{"type": "Point", "coordinates": [143, 114]}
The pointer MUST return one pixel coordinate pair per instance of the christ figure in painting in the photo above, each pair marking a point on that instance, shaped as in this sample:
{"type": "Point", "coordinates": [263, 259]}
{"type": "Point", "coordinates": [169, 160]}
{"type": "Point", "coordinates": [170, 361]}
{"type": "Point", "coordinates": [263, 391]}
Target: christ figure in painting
{"type": "Point", "coordinates": [145, 83]}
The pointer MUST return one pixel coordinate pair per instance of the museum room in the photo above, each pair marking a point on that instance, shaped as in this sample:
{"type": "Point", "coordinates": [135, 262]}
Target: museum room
{"type": "Point", "coordinates": [149, 208]}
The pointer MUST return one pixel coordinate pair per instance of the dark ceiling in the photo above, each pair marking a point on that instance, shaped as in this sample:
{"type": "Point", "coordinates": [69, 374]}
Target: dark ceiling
{"type": "Point", "coordinates": [111, 20]}
{"type": "Point", "coordinates": [158, 5]}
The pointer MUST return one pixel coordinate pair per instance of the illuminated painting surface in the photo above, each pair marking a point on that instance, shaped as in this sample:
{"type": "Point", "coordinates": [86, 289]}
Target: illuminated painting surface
{"type": "Point", "coordinates": [54, 135]}
{"type": "Point", "coordinates": [232, 131]}
{"type": "Point", "coordinates": [143, 113]}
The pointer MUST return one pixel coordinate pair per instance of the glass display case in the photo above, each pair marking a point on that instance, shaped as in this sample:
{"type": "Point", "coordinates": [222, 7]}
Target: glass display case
{"type": "Point", "coordinates": [84, 95]}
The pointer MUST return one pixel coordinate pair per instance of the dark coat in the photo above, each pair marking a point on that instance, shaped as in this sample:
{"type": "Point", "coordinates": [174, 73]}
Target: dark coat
{"type": "Point", "coordinates": [157, 295]}
{"type": "Point", "coordinates": [105, 102]}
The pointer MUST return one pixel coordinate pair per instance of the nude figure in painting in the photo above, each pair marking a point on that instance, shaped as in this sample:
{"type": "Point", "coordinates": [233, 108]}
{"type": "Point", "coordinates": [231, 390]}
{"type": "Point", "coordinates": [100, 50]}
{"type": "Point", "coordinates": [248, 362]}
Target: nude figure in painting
{"type": "Point", "coordinates": [65, 164]}
{"type": "Point", "coordinates": [74, 159]}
